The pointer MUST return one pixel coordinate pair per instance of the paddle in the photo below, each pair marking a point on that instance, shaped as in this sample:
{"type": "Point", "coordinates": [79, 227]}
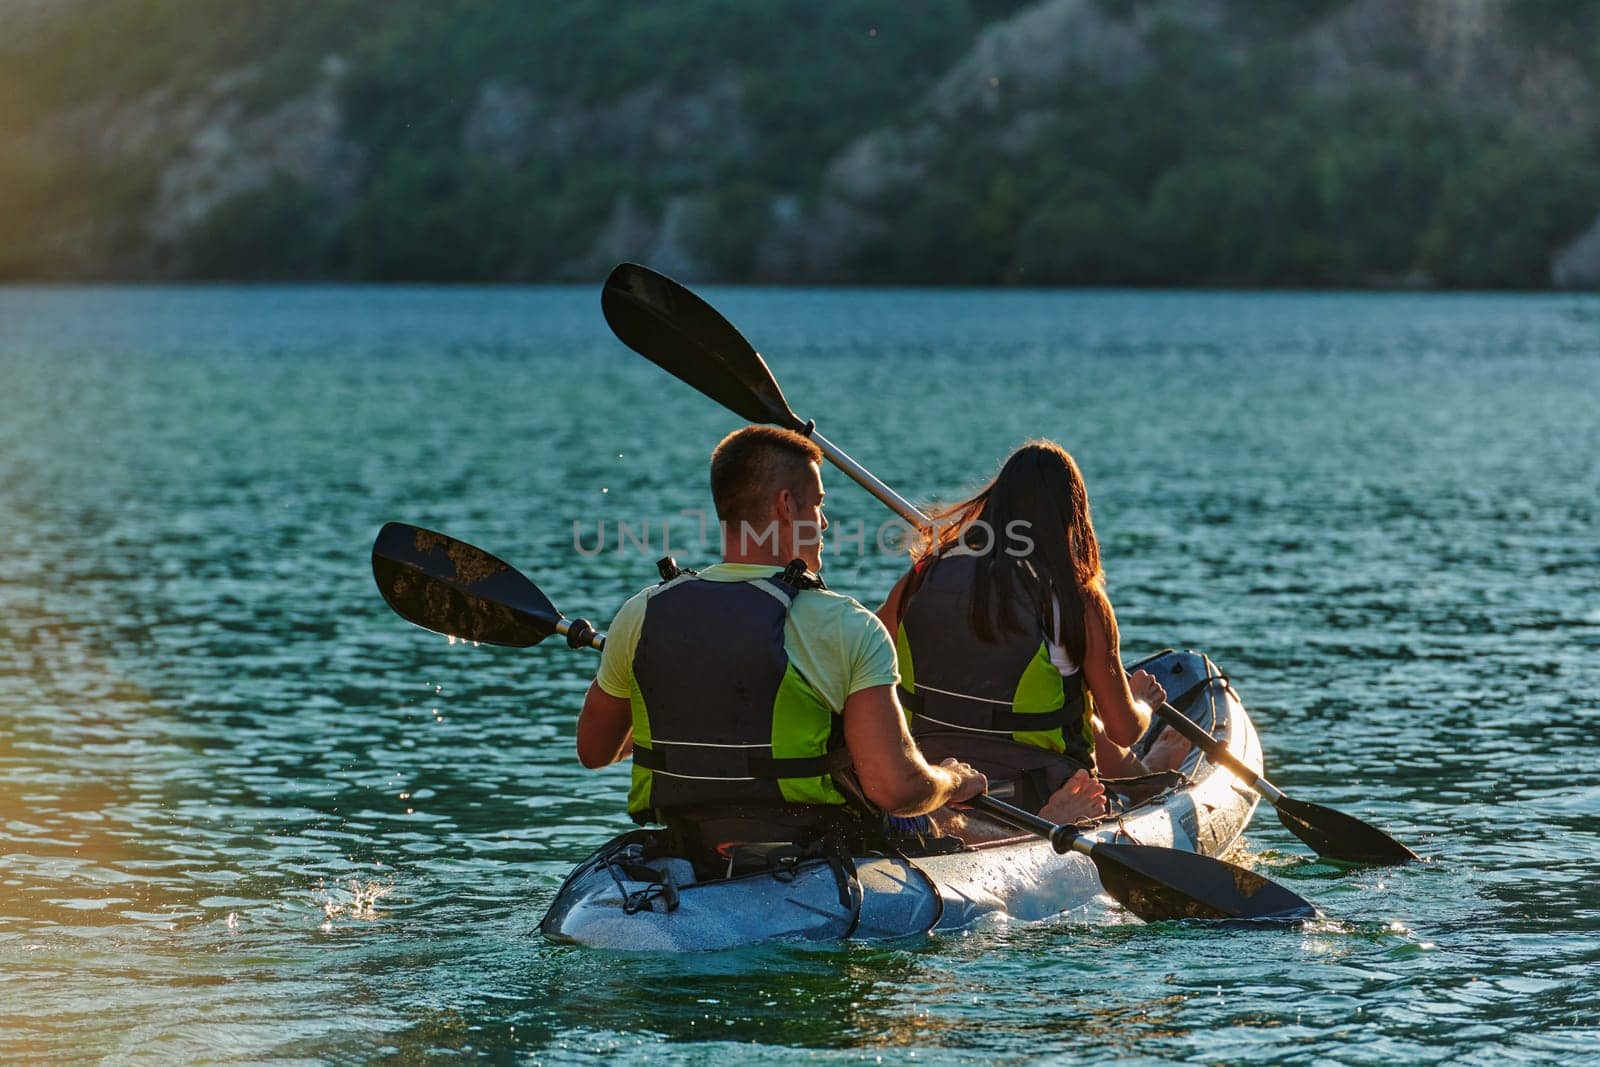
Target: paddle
{"type": "Point", "coordinates": [1163, 883]}
{"type": "Point", "coordinates": [457, 589]}
{"type": "Point", "coordinates": [453, 588]}
{"type": "Point", "coordinates": [685, 336]}
{"type": "Point", "coordinates": [676, 330]}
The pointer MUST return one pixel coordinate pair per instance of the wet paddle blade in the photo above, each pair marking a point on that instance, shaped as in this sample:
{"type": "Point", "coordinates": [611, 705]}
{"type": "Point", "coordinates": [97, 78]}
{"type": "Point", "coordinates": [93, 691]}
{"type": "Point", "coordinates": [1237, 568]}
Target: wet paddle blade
{"type": "Point", "coordinates": [1159, 884]}
{"type": "Point", "coordinates": [1338, 836]}
{"type": "Point", "coordinates": [685, 336]}
{"type": "Point", "coordinates": [453, 588]}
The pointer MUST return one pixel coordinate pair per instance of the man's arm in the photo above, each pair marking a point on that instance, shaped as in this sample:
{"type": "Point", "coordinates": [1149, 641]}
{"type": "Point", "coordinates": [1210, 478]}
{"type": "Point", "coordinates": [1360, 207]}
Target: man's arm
{"type": "Point", "coordinates": [605, 725]}
{"type": "Point", "coordinates": [605, 728]}
{"type": "Point", "coordinates": [889, 765]}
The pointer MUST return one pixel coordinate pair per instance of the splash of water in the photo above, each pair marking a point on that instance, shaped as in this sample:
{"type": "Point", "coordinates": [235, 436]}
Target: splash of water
{"type": "Point", "coordinates": [361, 904]}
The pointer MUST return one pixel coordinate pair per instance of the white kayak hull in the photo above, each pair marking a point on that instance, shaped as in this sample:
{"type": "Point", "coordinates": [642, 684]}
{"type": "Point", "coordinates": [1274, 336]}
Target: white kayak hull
{"type": "Point", "coordinates": [618, 899]}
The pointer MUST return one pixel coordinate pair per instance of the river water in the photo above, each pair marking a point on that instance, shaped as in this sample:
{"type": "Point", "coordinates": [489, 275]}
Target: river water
{"type": "Point", "coordinates": [248, 814]}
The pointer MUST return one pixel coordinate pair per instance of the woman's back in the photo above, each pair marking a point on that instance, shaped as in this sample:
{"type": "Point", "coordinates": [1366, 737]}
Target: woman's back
{"type": "Point", "coordinates": [1001, 680]}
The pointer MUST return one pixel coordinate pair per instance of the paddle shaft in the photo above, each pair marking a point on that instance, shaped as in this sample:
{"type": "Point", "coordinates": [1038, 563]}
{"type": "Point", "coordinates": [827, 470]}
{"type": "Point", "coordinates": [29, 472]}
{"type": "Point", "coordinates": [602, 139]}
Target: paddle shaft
{"type": "Point", "coordinates": [1061, 838]}
{"type": "Point", "coordinates": [580, 634]}
{"type": "Point", "coordinates": [870, 482]}
{"type": "Point", "coordinates": [1217, 751]}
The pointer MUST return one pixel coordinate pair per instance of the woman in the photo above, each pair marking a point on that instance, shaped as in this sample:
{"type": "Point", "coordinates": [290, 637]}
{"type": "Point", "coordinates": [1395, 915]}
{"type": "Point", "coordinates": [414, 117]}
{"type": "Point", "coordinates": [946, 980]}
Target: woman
{"type": "Point", "coordinates": [1008, 643]}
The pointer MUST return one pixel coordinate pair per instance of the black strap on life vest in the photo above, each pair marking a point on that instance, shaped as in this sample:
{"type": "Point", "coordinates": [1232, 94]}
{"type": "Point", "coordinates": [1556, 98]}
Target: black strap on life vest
{"type": "Point", "coordinates": [1002, 720]}
{"type": "Point", "coordinates": [691, 761]}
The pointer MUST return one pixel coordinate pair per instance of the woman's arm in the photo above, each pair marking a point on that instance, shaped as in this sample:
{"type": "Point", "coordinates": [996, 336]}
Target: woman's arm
{"type": "Point", "coordinates": [1112, 760]}
{"type": "Point", "coordinates": [1124, 717]}
{"type": "Point", "coordinates": [889, 613]}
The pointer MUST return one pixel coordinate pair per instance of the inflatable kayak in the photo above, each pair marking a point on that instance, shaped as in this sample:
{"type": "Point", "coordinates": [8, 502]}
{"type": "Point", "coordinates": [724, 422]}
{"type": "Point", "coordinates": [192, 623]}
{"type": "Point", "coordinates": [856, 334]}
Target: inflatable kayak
{"type": "Point", "coordinates": [629, 896]}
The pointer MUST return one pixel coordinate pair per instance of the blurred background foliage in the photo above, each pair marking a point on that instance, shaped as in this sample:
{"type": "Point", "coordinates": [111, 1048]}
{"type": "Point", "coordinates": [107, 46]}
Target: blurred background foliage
{"type": "Point", "coordinates": [479, 141]}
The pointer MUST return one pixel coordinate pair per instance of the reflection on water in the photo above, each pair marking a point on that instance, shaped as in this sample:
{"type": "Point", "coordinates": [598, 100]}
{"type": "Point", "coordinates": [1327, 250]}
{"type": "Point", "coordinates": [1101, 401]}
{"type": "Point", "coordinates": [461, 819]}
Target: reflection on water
{"type": "Point", "coordinates": [246, 813]}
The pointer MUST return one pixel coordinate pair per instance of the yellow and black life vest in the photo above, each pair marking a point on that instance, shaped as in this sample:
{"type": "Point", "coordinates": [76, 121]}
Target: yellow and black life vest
{"type": "Point", "coordinates": [950, 679]}
{"type": "Point", "coordinates": [720, 714]}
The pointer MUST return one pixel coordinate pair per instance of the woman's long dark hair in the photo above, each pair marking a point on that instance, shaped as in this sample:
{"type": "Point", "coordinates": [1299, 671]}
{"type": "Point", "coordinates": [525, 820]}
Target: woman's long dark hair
{"type": "Point", "coordinates": [1038, 494]}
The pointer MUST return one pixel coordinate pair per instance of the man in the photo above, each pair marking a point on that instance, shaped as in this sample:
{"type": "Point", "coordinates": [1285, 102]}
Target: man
{"type": "Point", "coordinates": [744, 693]}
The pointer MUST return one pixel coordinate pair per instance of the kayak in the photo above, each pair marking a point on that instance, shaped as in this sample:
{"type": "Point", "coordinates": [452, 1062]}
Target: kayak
{"type": "Point", "coordinates": [629, 896]}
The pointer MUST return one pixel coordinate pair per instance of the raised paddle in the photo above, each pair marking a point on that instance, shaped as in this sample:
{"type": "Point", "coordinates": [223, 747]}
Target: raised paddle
{"type": "Point", "coordinates": [1332, 834]}
{"type": "Point", "coordinates": [675, 329]}
{"type": "Point", "coordinates": [453, 588]}
{"type": "Point", "coordinates": [686, 337]}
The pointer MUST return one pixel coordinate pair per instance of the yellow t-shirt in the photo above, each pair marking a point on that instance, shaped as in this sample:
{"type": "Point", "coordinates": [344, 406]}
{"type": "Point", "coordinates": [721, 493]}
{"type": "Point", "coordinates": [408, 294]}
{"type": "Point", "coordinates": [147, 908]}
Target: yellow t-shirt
{"type": "Point", "coordinates": [835, 643]}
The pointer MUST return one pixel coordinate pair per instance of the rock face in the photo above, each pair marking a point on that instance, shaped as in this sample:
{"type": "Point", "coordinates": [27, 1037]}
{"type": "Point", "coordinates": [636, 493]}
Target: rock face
{"type": "Point", "coordinates": [632, 235]}
{"type": "Point", "coordinates": [677, 135]}
{"type": "Point", "coordinates": [1010, 66]}
{"type": "Point", "coordinates": [654, 124]}
{"type": "Point", "coordinates": [500, 123]}
{"type": "Point", "coordinates": [231, 153]}
{"type": "Point", "coordinates": [1577, 266]}
{"type": "Point", "coordinates": [1037, 49]}
{"type": "Point", "coordinates": [207, 148]}
{"type": "Point", "coordinates": [1460, 49]}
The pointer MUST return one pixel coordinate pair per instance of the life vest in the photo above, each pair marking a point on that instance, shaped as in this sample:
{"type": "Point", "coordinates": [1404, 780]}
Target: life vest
{"type": "Point", "coordinates": [952, 680]}
{"type": "Point", "coordinates": [721, 717]}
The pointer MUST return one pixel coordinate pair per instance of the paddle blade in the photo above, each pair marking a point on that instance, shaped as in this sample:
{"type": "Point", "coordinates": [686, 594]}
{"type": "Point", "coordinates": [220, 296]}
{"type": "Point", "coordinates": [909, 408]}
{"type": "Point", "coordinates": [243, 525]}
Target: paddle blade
{"type": "Point", "coordinates": [1159, 884]}
{"type": "Point", "coordinates": [685, 336]}
{"type": "Point", "coordinates": [451, 587]}
{"type": "Point", "coordinates": [1337, 836]}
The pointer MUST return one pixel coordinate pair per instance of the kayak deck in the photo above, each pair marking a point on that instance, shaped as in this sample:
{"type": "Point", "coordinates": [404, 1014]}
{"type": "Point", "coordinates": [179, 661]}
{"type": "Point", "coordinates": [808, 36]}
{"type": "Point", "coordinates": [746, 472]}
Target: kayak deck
{"type": "Point", "coordinates": [624, 897]}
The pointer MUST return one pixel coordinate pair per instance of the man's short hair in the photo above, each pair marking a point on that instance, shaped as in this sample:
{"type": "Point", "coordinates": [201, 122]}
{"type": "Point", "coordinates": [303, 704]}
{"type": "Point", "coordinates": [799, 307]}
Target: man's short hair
{"type": "Point", "coordinates": [750, 465]}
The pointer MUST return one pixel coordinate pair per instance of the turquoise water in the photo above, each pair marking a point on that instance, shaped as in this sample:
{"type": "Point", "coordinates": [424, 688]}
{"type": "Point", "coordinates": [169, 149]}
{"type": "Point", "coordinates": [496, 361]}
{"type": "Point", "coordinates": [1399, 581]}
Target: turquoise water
{"type": "Point", "coordinates": [248, 814]}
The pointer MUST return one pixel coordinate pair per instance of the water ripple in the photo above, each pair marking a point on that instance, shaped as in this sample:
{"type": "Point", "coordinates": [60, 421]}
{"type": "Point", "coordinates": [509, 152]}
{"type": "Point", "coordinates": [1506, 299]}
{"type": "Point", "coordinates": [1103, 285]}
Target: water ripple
{"type": "Point", "coordinates": [247, 814]}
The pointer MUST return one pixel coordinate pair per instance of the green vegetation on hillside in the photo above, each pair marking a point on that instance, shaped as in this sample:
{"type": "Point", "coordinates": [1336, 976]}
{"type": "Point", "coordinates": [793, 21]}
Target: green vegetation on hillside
{"type": "Point", "coordinates": [811, 77]}
{"type": "Point", "coordinates": [1210, 171]}
{"type": "Point", "coordinates": [497, 140]}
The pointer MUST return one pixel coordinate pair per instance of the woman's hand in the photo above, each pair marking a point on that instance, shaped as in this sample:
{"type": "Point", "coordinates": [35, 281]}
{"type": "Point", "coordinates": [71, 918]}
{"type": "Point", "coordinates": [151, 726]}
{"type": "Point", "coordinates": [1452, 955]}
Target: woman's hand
{"type": "Point", "coordinates": [1143, 686]}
